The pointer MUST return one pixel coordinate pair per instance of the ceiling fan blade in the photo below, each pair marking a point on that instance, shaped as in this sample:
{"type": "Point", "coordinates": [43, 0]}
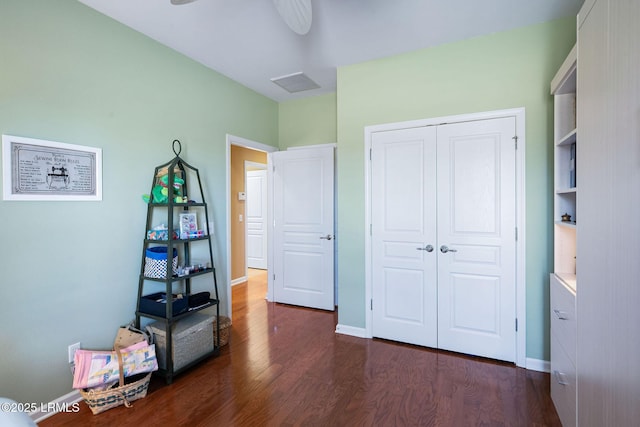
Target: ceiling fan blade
{"type": "Point", "coordinates": [296, 14]}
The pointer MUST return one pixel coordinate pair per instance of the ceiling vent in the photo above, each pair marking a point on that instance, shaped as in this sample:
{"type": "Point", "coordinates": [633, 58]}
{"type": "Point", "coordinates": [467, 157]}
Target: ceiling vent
{"type": "Point", "coordinates": [296, 82]}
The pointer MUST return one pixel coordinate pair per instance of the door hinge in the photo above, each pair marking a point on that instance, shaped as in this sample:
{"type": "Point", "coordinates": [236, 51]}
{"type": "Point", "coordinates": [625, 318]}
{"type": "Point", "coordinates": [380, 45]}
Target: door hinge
{"type": "Point", "coordinates": [515, 138]}
{"type": "Point", "coordinates": [370, 229]}
{"type": "Point", "coordinates": [371, 304]}
{"type": "Point", "coordinates": [370, 153]}
{"type": "Point", "coordinates": [274, 277]}
{"type": "Point", "coordinates": [516, 234]}
{"type": "Point", "coordinates": [516, 324]}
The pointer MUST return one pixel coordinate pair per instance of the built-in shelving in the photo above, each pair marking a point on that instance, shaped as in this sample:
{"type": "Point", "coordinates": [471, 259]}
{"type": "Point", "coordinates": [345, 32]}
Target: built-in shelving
{"type": "Point", "coordinates": [563, 282]}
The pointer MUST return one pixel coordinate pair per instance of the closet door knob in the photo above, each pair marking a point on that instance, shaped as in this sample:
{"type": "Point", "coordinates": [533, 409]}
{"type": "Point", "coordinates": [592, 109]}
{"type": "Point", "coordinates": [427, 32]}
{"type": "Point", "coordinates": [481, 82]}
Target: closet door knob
{"type": "Point", "coordinates": [428, 248]}
{"type": "Point", "coordinates": [444, 249]}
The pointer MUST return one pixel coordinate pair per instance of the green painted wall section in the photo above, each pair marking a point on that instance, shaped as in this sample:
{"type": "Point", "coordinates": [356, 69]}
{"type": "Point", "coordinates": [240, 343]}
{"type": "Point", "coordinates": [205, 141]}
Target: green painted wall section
{"type": "Point", "coordinates": [307, 121]}
{"type": "Point", "coordinates": [69, 269]}
{"type": "Point", "coordinates": [500, 71]}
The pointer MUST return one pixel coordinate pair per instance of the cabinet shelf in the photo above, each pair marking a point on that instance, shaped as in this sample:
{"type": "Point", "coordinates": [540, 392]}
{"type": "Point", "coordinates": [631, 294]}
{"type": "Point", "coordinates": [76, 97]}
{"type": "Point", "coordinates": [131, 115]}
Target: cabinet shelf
{"type": "Point", "coordinates": [166, 242]}
{"type": "Point", "coordinates": [175, 205]}
{"type": "Point", "coordinates": [176, 278]}
{"type": "Point", "coordinates": [571, 190]}
{"type": "Point", "coordinates": [211, 303]}
{"type": "Point", "coordinates": [568, 139]}
{"type": "Point", "coordinates": [569, 279]}
{"type": "Point", "coordinates": [567, 224]}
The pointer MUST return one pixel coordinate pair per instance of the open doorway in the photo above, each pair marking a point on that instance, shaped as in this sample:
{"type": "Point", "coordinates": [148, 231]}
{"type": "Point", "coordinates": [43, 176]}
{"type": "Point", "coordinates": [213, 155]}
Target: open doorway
{"type": "Point", "coordinates": [240, 152]}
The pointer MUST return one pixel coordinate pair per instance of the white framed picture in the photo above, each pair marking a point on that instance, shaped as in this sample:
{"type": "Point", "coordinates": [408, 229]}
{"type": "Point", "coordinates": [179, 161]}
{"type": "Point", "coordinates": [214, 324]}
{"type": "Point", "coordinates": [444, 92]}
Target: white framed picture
{"type": "Point", "coordinates": [35, 169]}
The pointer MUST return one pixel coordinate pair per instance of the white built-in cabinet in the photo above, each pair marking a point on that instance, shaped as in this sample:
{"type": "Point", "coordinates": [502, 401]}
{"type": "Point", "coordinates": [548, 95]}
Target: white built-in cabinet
{"type": "Point", "coordinates": [563, 279]}
{"type": "Point", "coordinates": [608, 214]}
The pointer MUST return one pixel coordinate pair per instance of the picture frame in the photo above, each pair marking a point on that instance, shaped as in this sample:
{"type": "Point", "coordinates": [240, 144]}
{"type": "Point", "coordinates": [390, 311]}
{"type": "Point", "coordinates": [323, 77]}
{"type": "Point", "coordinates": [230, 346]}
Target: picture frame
{"type": "Point", "coordinates": [188, 224]}
{"type": "Point", "coordinates": [36, 169]}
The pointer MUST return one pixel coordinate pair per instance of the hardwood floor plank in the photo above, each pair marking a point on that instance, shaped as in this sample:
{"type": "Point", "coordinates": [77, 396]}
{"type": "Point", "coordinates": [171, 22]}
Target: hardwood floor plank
{"type": "Point", "coordinates": [286, 366]}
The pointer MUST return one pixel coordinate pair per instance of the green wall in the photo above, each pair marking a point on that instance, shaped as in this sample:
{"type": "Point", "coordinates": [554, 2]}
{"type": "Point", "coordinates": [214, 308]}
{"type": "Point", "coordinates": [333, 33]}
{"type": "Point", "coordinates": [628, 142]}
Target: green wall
{"type": "Point", "coordinates": [500, 71]}
{"type": "Point", "coordinates": [69, 269]}
{"type": "Point", "coordinates": [307, 121]}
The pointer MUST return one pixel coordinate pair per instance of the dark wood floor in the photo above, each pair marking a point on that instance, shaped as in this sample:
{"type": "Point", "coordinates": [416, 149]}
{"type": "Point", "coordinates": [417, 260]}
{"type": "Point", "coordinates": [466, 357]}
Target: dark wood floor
{"type": "Point", "coordinates": [286, 366]}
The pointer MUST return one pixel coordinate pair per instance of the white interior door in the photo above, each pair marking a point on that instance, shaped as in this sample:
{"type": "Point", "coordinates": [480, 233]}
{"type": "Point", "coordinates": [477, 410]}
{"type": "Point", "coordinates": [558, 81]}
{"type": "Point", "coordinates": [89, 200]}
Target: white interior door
{"type": "Point", "coordinates": [404, 296]}
{"type": "Point", "coordinates": [450, 188]}
{"type": "Point", "coordinates": [256, 218]}
{"type": "Point", "coordinates": [477, 222]}
{"type": "Point", "coordinates": [303, 256]}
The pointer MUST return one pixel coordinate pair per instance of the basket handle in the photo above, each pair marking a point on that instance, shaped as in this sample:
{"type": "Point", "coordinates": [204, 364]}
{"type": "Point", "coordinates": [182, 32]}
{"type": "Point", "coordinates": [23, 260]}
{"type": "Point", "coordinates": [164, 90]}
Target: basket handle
{"type": "Point", "coordinates": [121, 375]}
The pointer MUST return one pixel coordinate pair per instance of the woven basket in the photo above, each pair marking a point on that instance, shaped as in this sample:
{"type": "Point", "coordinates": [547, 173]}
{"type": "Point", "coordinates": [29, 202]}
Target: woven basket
{"type": "Point", "coordinates": [127, 390]}
{"type": "Point", "coordinates": [225, 329]}
{"type": "Point", "coordinates": [100, 401]}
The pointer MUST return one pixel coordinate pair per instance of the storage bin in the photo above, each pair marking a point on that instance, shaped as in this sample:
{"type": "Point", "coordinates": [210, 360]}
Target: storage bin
{"type": "Point", "coordinates": [155, 262]}
{"type": "Point", "coordinates": [192, 338]}
{"type": "Point", "coordinates": [156, 304]}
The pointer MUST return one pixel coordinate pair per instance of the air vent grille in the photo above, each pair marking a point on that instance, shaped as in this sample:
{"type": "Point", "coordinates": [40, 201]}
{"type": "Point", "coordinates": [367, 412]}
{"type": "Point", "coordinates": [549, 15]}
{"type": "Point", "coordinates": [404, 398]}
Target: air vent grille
{"type": "Point", "coordinates": [296, 82]}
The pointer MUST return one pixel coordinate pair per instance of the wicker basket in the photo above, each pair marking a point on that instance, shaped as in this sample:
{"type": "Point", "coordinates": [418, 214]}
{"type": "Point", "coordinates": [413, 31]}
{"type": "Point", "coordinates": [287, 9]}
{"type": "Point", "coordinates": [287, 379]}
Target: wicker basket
{"type": "Point", "coordinates": [100, 401]}
{"type": "Point", "coordinates": [225, 329]}
{"type": "Point", "coordinates": [127, 390]}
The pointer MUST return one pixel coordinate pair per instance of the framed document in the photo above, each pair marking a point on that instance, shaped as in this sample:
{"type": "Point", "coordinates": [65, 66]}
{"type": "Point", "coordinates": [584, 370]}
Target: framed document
{"type": "Point", "coordinates": [35, 169]}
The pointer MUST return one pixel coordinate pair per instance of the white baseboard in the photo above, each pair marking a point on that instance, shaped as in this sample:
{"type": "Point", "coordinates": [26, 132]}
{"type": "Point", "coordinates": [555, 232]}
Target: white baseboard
{"type": "Point", "coordinates": [538, 365]}
{"type": "Point", "coordinates": [239, 280]}
{"type": "Point", "coordinates": [67, 403]}
{"type": "Point", "coordinates": [351, 330]}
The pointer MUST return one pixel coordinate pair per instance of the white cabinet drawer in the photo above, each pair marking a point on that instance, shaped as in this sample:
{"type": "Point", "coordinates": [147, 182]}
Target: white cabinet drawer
{"type": "Point", "coordinates": [563, 316]}
{"type": "Point", "coordinates": [563, 383]}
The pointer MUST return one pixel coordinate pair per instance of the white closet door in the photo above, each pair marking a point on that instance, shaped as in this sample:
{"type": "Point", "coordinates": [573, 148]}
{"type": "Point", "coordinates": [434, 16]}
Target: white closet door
{"type": "Point", "coordinates": [403, 225]}
{"type": "Point", "coordinates": [476, 221]}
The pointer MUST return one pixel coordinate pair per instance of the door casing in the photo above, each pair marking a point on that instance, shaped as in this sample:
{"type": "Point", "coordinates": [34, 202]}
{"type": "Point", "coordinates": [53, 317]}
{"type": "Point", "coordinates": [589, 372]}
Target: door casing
{"type": "Point", "coordinates": [519, 115]}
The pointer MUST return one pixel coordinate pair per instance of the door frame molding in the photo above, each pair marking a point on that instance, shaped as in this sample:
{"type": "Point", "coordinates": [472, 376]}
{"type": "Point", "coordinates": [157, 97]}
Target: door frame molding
{"type": "Point", "coordinates": [521, 302]}
{"type": "Point", "coordinates": [246, 143]}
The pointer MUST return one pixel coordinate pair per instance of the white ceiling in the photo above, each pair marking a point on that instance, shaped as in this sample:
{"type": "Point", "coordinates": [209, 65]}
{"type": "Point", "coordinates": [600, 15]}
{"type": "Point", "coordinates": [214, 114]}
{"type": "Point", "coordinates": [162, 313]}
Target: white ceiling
{"type": "Point", "coordinates": [247, 41]}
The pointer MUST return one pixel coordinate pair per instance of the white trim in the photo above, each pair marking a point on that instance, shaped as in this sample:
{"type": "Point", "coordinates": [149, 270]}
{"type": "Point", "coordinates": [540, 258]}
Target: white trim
{"type": "Point", "coordinates": [304, 147]}
{"type": "Point", "coordinates": [247, 143]}
{"type": "Point", "coordinates": [538, 365]}
{"type": "Point", "coordinates": [63, 401]}
{"type": "Point", "coordinates": [521, 302]}
{"type": "Point", "coordinates": [239, 280]}
{"type": "Point", "coordinates": [351, 330]}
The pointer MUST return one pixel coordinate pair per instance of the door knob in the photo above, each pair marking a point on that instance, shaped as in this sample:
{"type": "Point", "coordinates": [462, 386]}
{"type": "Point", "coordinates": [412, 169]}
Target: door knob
{"type": "Point", "coordinates": [427, 248]}
{"type": "Point", "coordinates": [444, 249]}
{"type": "Point", "coordinates": [327, 237]}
